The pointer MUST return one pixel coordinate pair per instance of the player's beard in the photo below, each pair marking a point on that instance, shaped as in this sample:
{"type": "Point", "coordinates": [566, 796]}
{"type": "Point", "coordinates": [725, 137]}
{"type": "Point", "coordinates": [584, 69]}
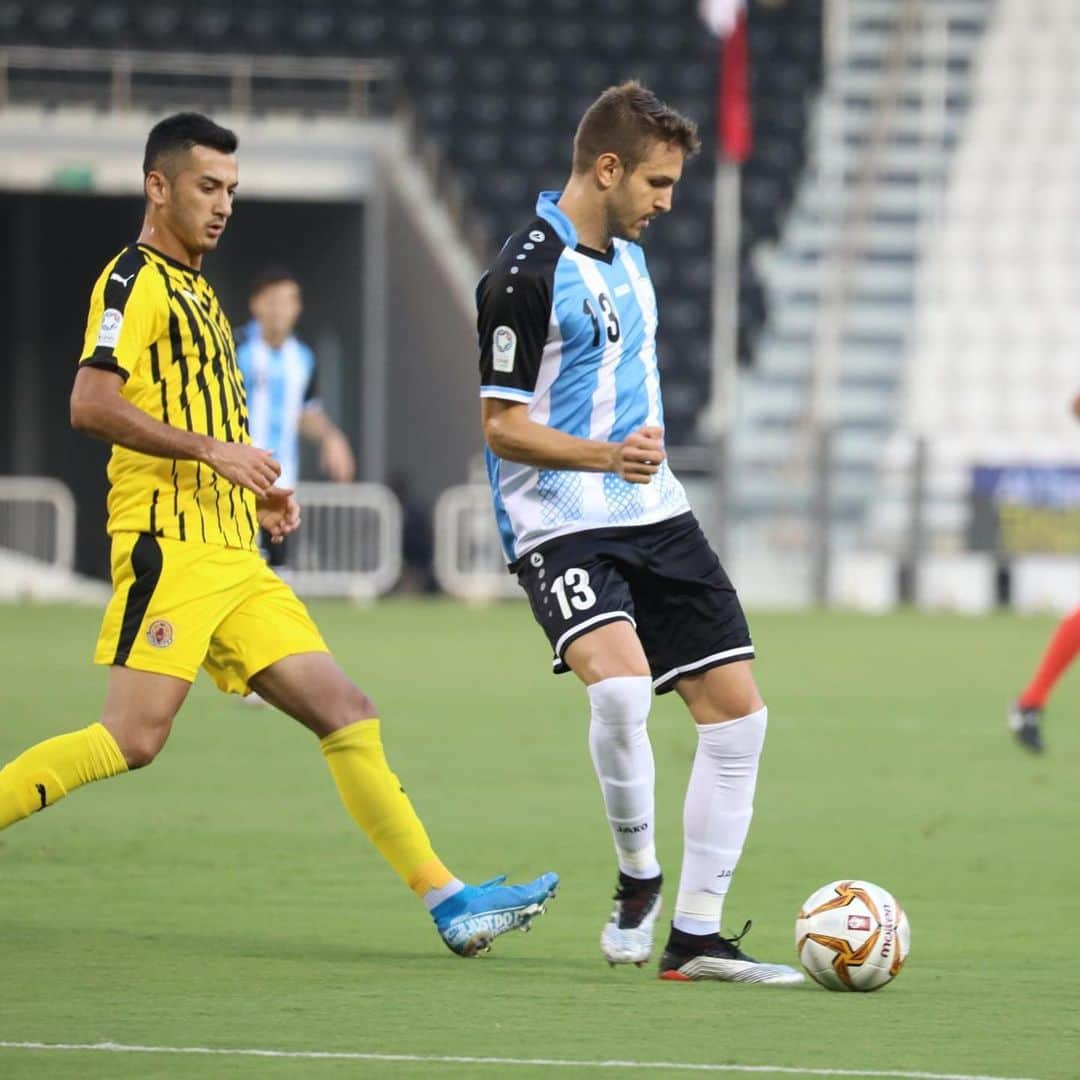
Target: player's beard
{"type": "Point", "coordinates": [616, 223]}
{"type": "Point", "coordinates": [190, 227]}
{"type": "Point", "coordinates": [621, 220]}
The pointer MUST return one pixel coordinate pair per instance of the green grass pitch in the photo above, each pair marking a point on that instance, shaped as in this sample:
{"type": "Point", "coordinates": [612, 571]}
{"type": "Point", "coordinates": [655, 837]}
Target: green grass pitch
{"type": "Point", "coordinates": [223, 898]}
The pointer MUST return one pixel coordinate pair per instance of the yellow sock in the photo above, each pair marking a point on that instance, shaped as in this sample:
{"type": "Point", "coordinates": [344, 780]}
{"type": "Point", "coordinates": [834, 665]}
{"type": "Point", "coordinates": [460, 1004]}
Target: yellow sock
{"type": "Point", "coordinates": [379, 805]}
{"type": "Point", "coordinates": [45, 773]}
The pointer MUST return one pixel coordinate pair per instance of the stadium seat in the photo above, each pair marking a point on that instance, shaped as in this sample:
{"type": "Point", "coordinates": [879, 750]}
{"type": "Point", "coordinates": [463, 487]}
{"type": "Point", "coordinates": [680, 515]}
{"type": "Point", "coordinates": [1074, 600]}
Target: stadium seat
{"type": "Point", "coordinates": [993, 352]}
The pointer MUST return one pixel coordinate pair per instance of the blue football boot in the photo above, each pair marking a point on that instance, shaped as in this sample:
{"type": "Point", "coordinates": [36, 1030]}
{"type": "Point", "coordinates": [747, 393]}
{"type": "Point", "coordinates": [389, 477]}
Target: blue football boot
{"type": "Point", "coordinates": [470, 920]}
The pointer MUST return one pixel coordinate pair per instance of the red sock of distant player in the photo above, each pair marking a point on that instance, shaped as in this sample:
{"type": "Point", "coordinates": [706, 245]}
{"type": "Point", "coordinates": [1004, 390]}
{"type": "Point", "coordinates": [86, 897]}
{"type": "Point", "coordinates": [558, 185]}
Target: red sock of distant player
{"type": "Point", "coordinates": [1064, 645]}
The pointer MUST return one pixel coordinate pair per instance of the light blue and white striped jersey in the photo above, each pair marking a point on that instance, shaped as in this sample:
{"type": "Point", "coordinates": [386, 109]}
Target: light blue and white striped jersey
{"type": "Point", "coordinates": [280, 384]}
{"type": "Point", "coordinates": [571, 333]}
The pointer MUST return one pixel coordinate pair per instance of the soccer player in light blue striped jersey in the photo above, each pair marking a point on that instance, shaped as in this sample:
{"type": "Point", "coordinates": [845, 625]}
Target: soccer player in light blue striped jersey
{"type": "Point", "coordinates": [599, 531]}
{"type": "Point", "coordinates": [280, 378]}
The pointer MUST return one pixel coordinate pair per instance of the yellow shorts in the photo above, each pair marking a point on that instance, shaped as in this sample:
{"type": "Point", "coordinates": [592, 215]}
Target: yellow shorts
{"type": "Point", "coordinates": [178, 606]}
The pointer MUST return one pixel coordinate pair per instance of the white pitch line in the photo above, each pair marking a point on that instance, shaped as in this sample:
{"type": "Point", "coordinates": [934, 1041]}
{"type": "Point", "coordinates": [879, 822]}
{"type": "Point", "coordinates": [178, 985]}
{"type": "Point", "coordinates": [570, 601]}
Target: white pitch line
{"type": "Point", "coordinates": [440, 1059]}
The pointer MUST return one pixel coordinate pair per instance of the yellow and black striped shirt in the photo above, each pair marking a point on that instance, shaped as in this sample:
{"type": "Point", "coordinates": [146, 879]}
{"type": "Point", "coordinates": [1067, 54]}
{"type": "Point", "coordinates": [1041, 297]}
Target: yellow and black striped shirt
{"type": "Point", "coordinates": [158, 324]}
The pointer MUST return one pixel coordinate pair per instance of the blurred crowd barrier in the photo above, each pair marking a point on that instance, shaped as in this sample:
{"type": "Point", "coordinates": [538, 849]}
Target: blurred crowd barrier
{"type": "Point", "coordinates": [968, 542]}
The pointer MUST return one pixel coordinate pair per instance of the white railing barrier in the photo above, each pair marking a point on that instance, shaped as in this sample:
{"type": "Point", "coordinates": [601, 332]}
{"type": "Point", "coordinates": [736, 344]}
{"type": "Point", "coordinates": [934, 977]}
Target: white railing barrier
{"type": "Point", "coordinates": [469, 560]}
{"type": "Point", "coordinates": [37, 519]}
{"type": "Point", "coordinates": [349, 543]}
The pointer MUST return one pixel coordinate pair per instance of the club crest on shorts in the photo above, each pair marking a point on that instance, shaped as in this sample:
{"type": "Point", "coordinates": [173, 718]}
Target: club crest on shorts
{"type": "Point", "coordinates": [160, 633]}
{"type": "Point", "coordinates": [536, 559]}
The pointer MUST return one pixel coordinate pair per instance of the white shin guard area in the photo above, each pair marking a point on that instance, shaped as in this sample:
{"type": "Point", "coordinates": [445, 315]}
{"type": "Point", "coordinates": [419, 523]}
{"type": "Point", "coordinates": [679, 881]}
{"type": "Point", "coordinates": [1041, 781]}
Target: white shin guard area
{"type": "Point", "coordinates": [623, 758]}
{"type": "Point", "coordinates": [716, 817]}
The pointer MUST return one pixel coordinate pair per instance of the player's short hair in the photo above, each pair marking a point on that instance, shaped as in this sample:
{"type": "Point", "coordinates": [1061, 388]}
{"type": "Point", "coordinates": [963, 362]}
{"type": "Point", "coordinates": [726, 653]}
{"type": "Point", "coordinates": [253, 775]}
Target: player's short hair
{"type": "Point", "coordinates": [626, 120]}
{"type": "Point", "coordinates": [272, 275]}
{"type": "Point", "coordinates": [179, 133]}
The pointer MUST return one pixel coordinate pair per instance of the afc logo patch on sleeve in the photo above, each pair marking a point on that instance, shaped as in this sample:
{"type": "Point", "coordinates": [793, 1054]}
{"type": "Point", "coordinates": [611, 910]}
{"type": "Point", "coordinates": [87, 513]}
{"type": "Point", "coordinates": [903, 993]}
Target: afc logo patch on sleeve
{"type": "Point", "coordinates": [109, 333]}
{"type": "Point", "coordinates": [503, 349]}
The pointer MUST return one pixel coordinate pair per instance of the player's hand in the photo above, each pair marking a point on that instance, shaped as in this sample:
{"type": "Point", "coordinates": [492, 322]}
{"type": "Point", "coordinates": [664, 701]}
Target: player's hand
{"type": "Point", "coordinates": [278, 513]}
{"type": "Point", "coordinates": [336, 458]}
{"type": "Point", "coordinates": [245, 465]}
{"type": "Point", "coordinates": [638, 456]}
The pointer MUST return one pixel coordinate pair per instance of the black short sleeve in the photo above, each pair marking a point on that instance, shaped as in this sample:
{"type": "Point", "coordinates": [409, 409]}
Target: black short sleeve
{"type": "Point", "coordinates": [128, 311]}
{"type": "Point", "coordinates": [513, 303]}
{"type": "Point", "coordinates": [311, 391]}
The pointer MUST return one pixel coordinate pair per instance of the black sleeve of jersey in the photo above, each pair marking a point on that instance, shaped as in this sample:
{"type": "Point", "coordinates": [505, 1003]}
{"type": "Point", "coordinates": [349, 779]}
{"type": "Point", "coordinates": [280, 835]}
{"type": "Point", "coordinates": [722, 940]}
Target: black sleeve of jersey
{"type": "Point", "coordinates": [512, 324]}
{"type": "Point", "coordinates": [311, 391]}
{"type": "Point", "coordinates": [113, 349]}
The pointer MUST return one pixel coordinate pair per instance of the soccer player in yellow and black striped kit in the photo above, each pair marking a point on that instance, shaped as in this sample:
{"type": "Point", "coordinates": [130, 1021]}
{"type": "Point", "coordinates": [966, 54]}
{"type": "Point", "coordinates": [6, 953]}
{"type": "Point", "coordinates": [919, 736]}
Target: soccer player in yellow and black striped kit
{"type": "Point", "coordinates": [188, 493]}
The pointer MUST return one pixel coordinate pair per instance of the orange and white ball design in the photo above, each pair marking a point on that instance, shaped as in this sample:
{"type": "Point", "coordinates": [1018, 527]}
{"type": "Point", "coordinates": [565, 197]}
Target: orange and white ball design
{"type": "Point", "coordinates": [852, 935]}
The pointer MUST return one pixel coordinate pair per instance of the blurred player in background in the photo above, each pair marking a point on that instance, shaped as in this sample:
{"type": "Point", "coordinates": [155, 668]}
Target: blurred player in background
{"type": "Point", "coordinates": [280, 378]}
{"type": "Point", "coordinates": [1026, 713]}
{"type": "Point", "coordinates": [188, 492]}
{"type": "Point", "coordinates": [600, 533]}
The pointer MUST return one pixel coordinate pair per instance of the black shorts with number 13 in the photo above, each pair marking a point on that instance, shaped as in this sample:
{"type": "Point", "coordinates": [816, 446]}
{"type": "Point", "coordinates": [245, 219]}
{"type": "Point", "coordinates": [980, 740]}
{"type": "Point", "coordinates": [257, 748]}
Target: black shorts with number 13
{"type": "Point", "coordinates": [664, 579]}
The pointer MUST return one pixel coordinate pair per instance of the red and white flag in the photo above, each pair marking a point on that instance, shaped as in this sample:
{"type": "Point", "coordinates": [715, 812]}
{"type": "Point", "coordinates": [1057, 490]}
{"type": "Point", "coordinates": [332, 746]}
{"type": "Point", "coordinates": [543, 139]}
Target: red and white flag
{"type": "Point", "coordinates": [734, 132]}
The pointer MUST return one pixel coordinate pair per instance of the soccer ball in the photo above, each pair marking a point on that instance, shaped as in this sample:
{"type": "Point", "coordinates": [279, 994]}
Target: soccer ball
{"type": "Point", "coordinates": [852, 935]}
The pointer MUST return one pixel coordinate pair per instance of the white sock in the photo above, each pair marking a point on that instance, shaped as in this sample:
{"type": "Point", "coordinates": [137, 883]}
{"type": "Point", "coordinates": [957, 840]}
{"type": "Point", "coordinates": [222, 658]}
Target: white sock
{"type": "Point", "coordinates": [434, 897]}
{"type": "Point", "coordinates": [716, 817]}
{"type": "Point", "coordinates": [623, 757]}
